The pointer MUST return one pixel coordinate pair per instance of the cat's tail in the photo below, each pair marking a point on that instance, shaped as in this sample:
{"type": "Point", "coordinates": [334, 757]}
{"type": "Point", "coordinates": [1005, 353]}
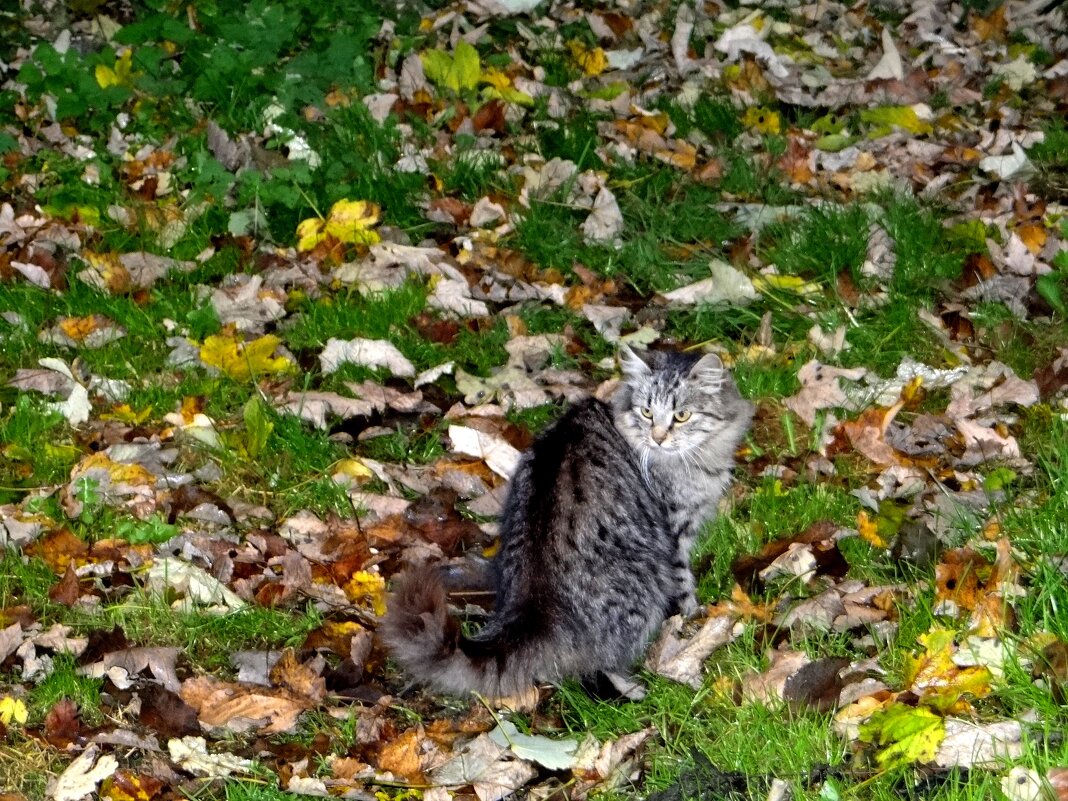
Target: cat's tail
{"type": "Point", "coordinates": [420, 634]}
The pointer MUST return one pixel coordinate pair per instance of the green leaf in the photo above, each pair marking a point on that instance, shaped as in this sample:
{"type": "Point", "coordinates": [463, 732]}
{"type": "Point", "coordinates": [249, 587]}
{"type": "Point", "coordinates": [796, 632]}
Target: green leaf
{"type": "Point", "coordinates": [998, 478]}
{"type": "Point", "coordinates": [885, 118]}
{"type": "Point", "coordinates": [832, 143]}
{"type": "Point", "coordinates": [258, 426]}
{"type": "Point", "coordinates": [1060, 261]}
{"type": "Point", "coordinates": [458, 72]}
{"type": "Point", "coordinates": [466, 67]}
{"type": "Point", "coordinates": [436, 64]}
{"type": "Point", "coordinates": [909, 734]}
{"type": "Point", "coordinates": [140, 532]}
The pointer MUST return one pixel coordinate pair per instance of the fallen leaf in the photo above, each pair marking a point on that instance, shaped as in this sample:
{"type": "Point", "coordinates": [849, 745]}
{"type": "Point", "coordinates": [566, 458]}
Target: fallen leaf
{"type": "Point", "coordinates": [366, 353]}
{"type": "Point", "coordinates": [547, 752]}
{"type": "Point", "coordinates": [191, 754]}
{"type": "Point", "coordinates": [969, 744]}
{"type": "Point", "coordinates": [238, 708]}
{"type": "Point", "coordinates": [61, 724]}
{"type": "Point", "coordinates": [682, 658]}
{"type": "Point", "coordinates": [820, 389]}
{"type": "Point", "coordinates": [245, 361]}
{"type": "Point", "coordinates": [83, 775]}
{"type": "Point", "coordinates": [906, 734]}
{"type": "Point", "coordinates": [501, 457]}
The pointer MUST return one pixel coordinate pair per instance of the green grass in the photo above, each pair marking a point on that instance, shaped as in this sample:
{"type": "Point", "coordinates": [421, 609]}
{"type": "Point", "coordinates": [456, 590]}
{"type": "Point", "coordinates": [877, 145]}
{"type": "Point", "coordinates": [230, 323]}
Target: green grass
{"type": "Point", "coordinates": [226, 63]}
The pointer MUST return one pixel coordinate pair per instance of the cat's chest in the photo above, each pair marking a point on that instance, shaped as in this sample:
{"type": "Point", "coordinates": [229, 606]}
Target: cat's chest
{"type": "Point", "coordinates": [692, 495]}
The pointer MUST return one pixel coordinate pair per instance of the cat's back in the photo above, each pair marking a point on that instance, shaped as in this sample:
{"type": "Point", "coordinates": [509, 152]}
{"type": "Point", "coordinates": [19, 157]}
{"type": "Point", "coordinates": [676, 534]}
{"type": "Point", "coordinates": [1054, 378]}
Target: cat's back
{"type": "Point", "coordinates": [582, 445]}
{"type": "Point", "coordinates": [580, 480]}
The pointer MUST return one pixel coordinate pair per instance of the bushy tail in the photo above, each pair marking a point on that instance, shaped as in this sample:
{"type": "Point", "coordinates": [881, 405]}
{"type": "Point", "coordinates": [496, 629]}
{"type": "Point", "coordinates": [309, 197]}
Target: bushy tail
{"type": "Point", "coordinates": [429, 645]}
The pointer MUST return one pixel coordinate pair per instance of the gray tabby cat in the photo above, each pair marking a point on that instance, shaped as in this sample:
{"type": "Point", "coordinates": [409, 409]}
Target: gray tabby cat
{"type": "Point", "coordinates": [596, 535]}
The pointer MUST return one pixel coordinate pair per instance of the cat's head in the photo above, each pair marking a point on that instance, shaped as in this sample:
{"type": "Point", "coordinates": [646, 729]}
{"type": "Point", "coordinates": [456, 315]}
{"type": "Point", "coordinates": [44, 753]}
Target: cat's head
{"type": "Point", "coordinates": [671, 404]}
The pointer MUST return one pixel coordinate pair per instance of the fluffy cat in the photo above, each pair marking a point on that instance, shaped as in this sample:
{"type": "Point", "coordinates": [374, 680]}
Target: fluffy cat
{"type": "Point", "coordinates": [596, 534]}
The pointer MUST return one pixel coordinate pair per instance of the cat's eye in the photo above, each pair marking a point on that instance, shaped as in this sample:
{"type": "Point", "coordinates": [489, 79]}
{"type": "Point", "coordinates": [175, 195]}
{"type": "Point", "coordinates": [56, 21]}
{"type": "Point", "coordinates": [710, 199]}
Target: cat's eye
{"type": "Point", "coordinates": [682, 417]}
{"type": "Point", "coordinates": [646, 412]}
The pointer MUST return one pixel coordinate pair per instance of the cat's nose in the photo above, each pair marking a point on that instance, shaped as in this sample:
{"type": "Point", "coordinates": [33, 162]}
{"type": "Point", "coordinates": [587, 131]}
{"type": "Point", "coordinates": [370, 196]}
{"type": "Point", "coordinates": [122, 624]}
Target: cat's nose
{"type": "Point", "coordinates": [659, 434]}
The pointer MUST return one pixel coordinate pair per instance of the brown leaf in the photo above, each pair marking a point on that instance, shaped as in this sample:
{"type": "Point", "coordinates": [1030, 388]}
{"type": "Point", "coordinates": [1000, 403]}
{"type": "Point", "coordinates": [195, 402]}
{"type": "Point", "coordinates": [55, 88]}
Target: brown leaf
{"type": "Point", "coordinates": [61, 724]}
{"type": "Point", "coordinates": [291, 675]}
{"type": "Point", "coordinates": [66, 591]}
{"type": "Point", "coordinates": [1058, 783]}
{"type": "Point", "coordinates": [226, 705]}
{"type": "Point", "coordinates": [401, 756]}
{"type": "Point", "coordinates": [58, 549]}
{"type": "Point", "coordinates": [188, 497]}
{"type": "Point", "coordinates": [820, 535]}
{"type": "Point", "coordinates": [867, 435]}
{"type": "Point", "coordinates": [166, 712]}
{"type": "Point", "coordinates": [816, 684]}
{"type": "Point", "coordinates": [490, 116]}
{"type": "Point", "coordinates": [770, 685]}
{"type": "Point", "coordinates": [435, 519]}
{"type": "Point", "coordinates": [682, 658]}
{"type": "Point", "coordinates": [444, 332]}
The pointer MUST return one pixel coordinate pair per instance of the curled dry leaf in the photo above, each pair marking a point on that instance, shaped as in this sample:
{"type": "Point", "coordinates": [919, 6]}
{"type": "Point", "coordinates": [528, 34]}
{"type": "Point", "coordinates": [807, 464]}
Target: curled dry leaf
{"type": "Point", "coordinates": [191, 753]}
{"type": "Point", "coordinates": [682, 658]}
{"type": "Point", "coordinates": [239, 708]}
{"type": "Point", "coordinates": [501, 457]}
{"type": "Point", "coordinates": [366, 353]}
{"type": "Point", "coordinates": [82, 776]}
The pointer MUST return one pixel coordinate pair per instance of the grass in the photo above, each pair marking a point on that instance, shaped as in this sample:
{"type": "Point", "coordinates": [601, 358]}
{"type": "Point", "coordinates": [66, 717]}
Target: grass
{"type": "Point", "coordinates": [226, 64]}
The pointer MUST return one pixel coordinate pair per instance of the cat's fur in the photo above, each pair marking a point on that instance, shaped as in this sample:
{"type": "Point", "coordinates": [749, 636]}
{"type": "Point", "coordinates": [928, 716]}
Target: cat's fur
{"type": "Point", "coordinates": [596, 535]}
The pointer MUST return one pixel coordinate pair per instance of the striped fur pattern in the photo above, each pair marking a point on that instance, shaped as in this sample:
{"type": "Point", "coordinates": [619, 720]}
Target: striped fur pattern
{"type": "Point", "coordinates": [596, 535]}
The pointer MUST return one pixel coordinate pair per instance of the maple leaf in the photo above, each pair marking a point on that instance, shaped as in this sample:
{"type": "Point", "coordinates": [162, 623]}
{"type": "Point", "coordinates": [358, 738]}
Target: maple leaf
{"type": "Point", "coordinates": [937, 680]}
{"type": "Point", "coordinates": [458, 72]}
{"type": "Point", "coordinates": [591, 60]}
{"type": "Point", "coordinates": [349, 221]}
{"type": "Point", "coordinates": [909, 734]}
{"type": "Point", "coordinates": [245, 361]}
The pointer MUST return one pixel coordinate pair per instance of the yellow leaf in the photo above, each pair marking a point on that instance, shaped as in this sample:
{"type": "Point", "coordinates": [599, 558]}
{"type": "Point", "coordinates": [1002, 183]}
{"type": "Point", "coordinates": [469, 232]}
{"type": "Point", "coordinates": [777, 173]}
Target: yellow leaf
{"type": "Point", "coordinates": [118, 472]}
{"type": "Point", "coordinates": [501, 88]}
{"type": "Point", "coordinates": [591, 61]}
{"type": "Point", "coordinates": [869, 530]}
{"type": "Point", "coordinates": [909, 734]}
{"type": "Point", "coordinates": [788, 283]}
{"type": "Point", "coordinates": [12, 709]}
{"type": "Point", "coordinates": [120, 75]}
{"type": "Point", "coordinates": [885, 118]}
{"type": "Point", "coordinates": [457, 72]}
{"type": "Point", "coordinates": [763, 120]}
{"type": "Point", "coordinates": [937, 680]}
{"type": "Point", "coordinates": [125, 414]}
{"type": "Point", "coordinates": [243, 361]}
{"type": "Point", "coordinates": [367, 589]}
{"type": "Point", "coordinates": [351, 220]}
{"type": "Point", "coordinates": [354, 468]}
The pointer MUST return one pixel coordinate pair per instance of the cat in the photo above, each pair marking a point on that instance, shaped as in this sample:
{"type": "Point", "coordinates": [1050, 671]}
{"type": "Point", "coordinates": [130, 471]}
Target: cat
{"type": "Point", "coordinates": [596, 533]}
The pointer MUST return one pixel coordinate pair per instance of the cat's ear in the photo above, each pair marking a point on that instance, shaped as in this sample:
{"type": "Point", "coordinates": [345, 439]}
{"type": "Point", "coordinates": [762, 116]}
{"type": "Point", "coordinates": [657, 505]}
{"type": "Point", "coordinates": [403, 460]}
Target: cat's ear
{"type": "Point", "coordinates": [632, 365]}
{"type": "Point", "coordinates": [709, 366]}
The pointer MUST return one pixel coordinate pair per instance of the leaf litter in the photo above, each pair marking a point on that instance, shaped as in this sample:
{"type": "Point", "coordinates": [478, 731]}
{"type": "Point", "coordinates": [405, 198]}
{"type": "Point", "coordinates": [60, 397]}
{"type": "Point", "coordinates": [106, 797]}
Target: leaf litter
{"type": "Point", "coordinates": [838, 103]}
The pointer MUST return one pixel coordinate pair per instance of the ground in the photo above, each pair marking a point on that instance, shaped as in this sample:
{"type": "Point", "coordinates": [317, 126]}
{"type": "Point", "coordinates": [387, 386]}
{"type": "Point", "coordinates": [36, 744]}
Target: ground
{"type": "Point", "coordinates": [286, 288]}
